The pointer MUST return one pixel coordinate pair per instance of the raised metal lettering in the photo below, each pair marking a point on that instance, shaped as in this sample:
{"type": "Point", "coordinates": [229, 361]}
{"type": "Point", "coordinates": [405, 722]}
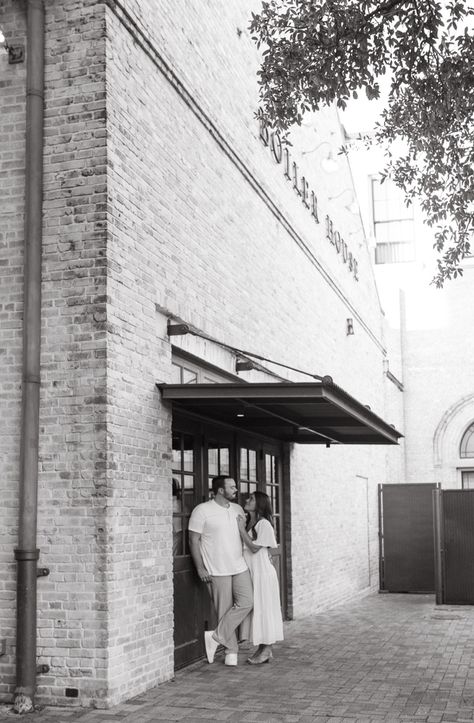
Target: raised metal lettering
{"type": "Point", "coordinates": [276, 148]}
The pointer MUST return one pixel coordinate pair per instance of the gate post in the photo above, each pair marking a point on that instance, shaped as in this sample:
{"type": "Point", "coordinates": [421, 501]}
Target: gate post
{"type": "Point", "coordinates": [381, 555]}
{"type": "Point", "coordinates": [438, 536]}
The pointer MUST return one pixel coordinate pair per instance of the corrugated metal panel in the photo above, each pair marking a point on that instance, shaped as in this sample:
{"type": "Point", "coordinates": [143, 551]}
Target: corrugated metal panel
{"type": "Point", "coordinates": [458, 509]}
{"type": "Point", "coordinates": [407, 538]}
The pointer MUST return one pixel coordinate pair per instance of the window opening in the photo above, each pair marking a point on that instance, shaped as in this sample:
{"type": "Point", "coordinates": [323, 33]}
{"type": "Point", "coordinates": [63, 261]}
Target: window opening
{"type": "Point", "coordinates": [393, 224]}
{"type": "Point", "coordinates": [183, 375]}
{"type": "Point", "coordinates": [467, 479]}
{"type": "Point", "coordinates": [188, 369]}
{"type": "Point", "coordinates": [466, 448]}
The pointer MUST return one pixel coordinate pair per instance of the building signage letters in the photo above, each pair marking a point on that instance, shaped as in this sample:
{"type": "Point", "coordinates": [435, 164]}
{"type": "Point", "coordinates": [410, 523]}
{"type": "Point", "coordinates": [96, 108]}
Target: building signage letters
{"type": "Point", "coordinates": [291, 171]}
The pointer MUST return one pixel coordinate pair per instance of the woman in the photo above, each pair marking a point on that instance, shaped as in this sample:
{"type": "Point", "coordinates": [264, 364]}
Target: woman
{"type": "Point", "coordinates": [264, 625]}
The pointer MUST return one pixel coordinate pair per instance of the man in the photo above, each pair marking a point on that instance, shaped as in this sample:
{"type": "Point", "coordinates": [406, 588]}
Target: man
{"type": "Point", "coordinates": [216, 549]}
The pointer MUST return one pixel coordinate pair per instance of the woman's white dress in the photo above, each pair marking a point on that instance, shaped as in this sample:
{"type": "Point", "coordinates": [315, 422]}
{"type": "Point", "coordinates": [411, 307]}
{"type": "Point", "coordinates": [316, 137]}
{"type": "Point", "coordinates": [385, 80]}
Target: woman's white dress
{"type": "Point", "coordinates": [264, 624]}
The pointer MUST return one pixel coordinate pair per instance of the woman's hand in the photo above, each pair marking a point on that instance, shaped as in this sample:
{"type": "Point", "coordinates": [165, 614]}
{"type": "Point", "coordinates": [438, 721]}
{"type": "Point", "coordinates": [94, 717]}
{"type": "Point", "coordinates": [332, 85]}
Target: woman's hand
{"type": "Point", "coordinates": [204, 576]}
{"type": "Point", "coordinates": [249, 543]}
{"type": "Point", "coordinates": [241, 523]}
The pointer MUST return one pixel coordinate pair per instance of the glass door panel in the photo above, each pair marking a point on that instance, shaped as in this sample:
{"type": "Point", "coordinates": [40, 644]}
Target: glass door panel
{"type": "Point", "coordinates": [272, 476]}
{"type": "Point", "coordinates": [218, 461]}
{"type": "Point", "coordinates": [184, 490]}
{"type": "Point", "coordinates": [272, 488]}
{"type": "Point", "coordinates": [248, 479]}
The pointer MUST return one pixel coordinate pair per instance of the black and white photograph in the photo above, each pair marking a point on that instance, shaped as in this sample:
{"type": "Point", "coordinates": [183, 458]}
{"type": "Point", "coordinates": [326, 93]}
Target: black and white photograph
{"type": "Point", "coordinates": [237, 361]}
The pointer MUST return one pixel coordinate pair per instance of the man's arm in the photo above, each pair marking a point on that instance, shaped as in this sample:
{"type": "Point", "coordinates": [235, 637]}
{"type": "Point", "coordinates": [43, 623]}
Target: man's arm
{"type": "Point", "coordinates": [195, 546]}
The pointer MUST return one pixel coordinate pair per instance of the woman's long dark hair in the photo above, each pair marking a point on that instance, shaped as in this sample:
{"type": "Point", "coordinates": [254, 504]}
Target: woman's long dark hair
{"type": "Point", "coordinates": [263, 511]}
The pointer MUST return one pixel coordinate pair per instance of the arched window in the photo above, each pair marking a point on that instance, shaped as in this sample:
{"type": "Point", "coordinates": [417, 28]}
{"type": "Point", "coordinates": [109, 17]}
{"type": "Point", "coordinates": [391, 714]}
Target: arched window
{"type": "Point", "coordinates": [467, 442]}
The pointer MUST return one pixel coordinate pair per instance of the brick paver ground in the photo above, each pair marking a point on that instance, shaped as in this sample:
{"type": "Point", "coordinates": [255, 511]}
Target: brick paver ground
{"type": "Point", "coordinates": [384, 658]}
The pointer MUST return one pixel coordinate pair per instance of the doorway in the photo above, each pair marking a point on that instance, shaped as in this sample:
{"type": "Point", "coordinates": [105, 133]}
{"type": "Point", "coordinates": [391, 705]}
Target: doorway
{"type": "Point", "coordinates": [201, 452]}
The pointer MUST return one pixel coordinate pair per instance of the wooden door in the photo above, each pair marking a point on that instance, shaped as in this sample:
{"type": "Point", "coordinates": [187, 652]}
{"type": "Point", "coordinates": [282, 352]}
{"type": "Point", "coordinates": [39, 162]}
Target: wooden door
{"type": "Point", "coordinates": [192, 605]}
{"type": "Point", "coordinates": [200, 453]}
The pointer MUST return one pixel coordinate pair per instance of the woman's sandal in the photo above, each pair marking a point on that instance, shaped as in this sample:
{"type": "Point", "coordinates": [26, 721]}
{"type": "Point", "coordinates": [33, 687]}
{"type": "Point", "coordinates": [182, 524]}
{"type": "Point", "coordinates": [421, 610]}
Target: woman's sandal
{"type": "Point", "coordinates": [259, 659]}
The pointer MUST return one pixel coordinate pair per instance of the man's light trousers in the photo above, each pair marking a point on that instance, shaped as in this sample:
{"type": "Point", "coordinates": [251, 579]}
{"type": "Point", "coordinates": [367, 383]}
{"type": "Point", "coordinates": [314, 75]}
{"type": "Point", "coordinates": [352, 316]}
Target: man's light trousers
{"type": "Point", "coordinates": [232, 596]}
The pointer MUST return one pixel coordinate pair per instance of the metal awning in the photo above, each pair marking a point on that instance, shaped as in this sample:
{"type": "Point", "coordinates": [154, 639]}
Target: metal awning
{"type": "Point", "coordinates": [307, 413]}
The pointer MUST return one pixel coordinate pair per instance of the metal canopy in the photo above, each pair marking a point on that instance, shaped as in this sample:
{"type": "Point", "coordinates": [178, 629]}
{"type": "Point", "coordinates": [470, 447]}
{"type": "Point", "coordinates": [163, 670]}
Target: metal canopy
{"type": "Point", "coordinates": [307, 413]}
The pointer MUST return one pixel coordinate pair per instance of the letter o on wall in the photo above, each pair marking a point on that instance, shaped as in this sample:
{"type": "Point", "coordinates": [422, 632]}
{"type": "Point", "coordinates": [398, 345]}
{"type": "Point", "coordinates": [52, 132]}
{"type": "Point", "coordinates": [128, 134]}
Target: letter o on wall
{"type": "Point", "coordinates": [276, 148]}
{"type": "Point", "coordinates": [337, 241]}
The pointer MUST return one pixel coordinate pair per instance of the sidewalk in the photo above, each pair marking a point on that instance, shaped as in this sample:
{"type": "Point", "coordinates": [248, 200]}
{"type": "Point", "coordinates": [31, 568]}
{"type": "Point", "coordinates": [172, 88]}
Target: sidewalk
{"type": "Point", "coordinates": [382, 658]}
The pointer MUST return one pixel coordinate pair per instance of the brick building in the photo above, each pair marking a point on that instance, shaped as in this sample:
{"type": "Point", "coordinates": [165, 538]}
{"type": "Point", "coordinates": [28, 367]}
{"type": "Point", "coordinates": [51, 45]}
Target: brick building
{"type": "Point", "coordinates": [166, 208]}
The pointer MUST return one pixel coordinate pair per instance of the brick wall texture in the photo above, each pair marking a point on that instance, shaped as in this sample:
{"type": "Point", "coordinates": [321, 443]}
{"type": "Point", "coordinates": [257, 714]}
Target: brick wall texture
{"type": "Point", "coordinates": [72, 602]}
{"type": "Point", "coordinates": [161, 200]}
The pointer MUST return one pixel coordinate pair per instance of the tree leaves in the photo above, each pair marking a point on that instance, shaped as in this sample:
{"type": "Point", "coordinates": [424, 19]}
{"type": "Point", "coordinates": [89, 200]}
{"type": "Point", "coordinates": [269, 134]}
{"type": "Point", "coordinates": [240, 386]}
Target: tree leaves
{"type": "Point", "coordinates": [322, 51]}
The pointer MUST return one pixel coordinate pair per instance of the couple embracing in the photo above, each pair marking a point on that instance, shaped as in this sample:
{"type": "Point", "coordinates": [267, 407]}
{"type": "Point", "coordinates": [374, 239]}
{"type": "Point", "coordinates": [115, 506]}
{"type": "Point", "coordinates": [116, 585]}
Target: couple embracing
{"type": "Point", "coordinates": [230, 550]}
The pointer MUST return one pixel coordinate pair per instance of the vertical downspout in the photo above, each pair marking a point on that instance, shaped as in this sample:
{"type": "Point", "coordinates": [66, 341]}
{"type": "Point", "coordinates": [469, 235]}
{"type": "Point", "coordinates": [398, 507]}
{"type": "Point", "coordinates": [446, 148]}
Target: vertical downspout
{"type": "Point", "coordinates": [27, 554]}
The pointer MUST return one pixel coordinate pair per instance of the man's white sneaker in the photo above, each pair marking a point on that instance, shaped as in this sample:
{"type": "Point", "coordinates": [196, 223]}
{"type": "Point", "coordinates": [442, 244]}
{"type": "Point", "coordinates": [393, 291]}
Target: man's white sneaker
{"type": "Point", "coordinates": [211, 645]}
{"type": "Point", "coordinates": [231, 659]}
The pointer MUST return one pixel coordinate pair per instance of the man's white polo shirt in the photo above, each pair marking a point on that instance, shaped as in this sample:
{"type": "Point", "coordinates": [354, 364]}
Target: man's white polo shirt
{"type": "Point", "coordinates": [221, 546]}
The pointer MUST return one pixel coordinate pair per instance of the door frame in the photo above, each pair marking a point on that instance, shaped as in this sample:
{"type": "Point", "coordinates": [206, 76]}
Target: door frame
{"type": "Point", "coordinates": [263, 448]}
{"type": "Point", "coordinates": [204, 432]}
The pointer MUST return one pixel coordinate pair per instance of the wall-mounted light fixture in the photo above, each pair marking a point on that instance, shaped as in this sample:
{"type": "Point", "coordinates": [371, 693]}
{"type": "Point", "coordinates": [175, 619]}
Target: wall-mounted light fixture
{"type": "Point", "coordinates": [328, 163]}
{"type": "Point", "coordinates": [349, 327]}
{"type": "Point", "coordinates": [16, 53]}
{"type": "Point", "coordinates": [244, 365]}
{"type": "Point", "coordinates": [177, 329]}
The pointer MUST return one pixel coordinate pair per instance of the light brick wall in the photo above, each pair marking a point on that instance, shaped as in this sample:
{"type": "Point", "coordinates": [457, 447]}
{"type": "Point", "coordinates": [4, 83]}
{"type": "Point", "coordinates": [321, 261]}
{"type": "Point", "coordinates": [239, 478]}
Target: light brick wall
{"type": "Point", "coordinates": [334, 525]}
{"type": "Point", "coordinates": [190, 233]}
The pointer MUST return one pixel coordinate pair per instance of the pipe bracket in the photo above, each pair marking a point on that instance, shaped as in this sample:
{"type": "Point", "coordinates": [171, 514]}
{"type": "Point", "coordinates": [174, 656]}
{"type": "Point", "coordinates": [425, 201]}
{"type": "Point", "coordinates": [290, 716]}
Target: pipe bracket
{"type": "Point", "coordinates": [16, 54]}
{"type": "Point", "coordinates": [42, 572]}
{"type": "Point", "coordinates": [26, 554]}
{"type": "Point", "coordinates": [32, 379]}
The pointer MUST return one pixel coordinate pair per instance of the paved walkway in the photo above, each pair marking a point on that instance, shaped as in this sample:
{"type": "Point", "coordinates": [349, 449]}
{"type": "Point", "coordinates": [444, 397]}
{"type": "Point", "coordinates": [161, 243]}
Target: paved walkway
{"type": "Point", "coordinates": [385, 658]}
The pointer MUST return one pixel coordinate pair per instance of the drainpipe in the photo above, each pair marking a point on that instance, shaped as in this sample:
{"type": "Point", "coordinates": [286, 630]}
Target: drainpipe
{"type": "Point", "coordinates": [27, 554]}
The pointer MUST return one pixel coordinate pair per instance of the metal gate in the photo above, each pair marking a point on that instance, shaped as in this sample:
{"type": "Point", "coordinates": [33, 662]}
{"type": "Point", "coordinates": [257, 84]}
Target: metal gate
{"type": "Point", "coordinates": [454, 546]}
{"type": "Point", "coordinates": [407, 562]}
